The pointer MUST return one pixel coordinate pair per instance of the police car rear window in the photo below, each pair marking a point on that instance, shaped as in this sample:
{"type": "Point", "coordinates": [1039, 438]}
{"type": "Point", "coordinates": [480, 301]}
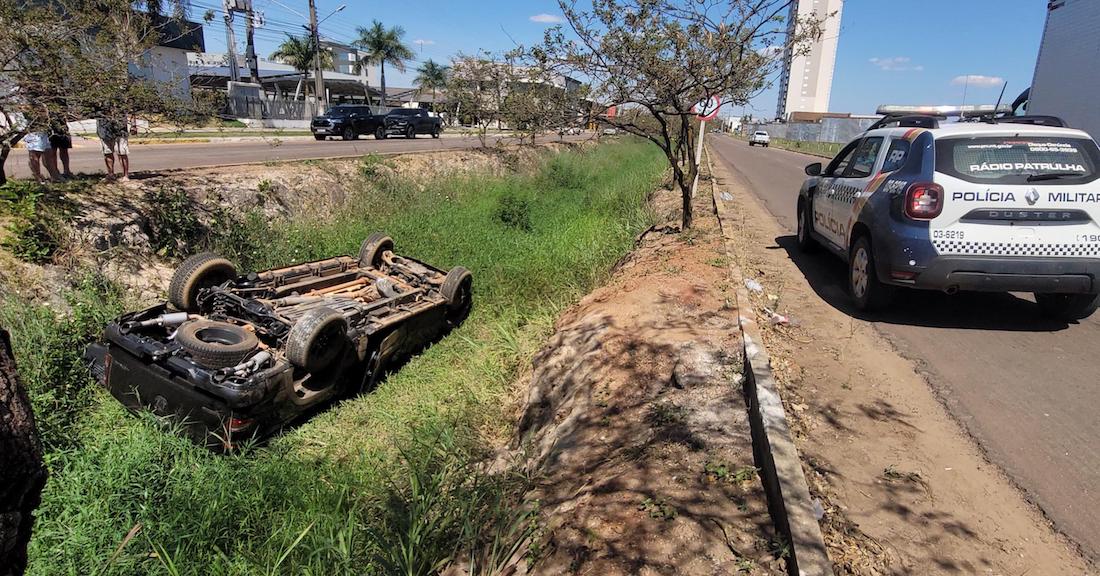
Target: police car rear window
{"type": "Point", "coordinates": [1018, 159]}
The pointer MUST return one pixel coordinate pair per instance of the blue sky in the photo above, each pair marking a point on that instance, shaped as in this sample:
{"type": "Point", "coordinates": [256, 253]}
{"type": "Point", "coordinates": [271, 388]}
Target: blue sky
{"type": "Point", "coordinates": [889, 51]}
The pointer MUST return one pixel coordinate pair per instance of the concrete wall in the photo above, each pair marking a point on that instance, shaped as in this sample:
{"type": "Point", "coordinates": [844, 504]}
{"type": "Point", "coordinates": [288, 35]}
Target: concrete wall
{"type": "Point", "coordinates": [840, 130]}
{"type": "Point", "coordinates": [1067, 77]}
{"type": "Point", "coordinates": [168, 68]}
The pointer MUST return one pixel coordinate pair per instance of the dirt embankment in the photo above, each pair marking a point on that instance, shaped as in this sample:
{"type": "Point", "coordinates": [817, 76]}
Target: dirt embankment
{"type": "Point", "coordinates": [903, 489]}
{"type": "Point", "coordinates": [111, 227]}
{"type": "Point", "coordinates": [636, 426]}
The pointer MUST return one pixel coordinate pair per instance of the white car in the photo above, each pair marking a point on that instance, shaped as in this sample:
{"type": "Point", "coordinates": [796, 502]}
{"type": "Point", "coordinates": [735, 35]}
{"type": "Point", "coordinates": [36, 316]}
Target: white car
{"type": "Point", "coordinates": [1006, 204]}
{"type": "Point", "coordinates": [760, 137]}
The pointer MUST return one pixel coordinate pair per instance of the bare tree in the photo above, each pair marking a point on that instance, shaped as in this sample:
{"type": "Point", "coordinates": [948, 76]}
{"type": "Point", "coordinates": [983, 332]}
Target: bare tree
{"type": "Point", "coordinates": [476, 87]}
{"type": "Point", "coordinates": [660, 57]}
{"type": "Point", "coordinates": [22, 473]}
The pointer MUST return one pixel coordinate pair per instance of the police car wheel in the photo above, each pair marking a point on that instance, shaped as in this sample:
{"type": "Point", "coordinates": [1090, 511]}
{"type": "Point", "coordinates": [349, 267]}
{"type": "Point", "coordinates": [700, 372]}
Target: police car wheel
{"type": "Point", "coordinates": [806, 242]}
{"type": "Point", "coordinates": [868, 293]}
{"type": "Point", "coordinates": [1068, 307]}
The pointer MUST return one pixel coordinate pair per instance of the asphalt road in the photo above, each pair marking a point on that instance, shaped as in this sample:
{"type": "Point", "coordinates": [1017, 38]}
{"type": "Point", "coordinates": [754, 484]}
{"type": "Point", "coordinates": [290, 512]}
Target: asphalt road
{"type": "Point", "coordinates": [155, 157]}
{"type": "Point", "coordinates": [1027, 389]}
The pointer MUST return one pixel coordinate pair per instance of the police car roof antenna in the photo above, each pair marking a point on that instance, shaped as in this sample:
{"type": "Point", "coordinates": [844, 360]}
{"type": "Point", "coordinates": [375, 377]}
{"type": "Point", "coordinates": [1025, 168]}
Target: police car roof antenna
{"type": "Point", "coordinates": [997, 106]}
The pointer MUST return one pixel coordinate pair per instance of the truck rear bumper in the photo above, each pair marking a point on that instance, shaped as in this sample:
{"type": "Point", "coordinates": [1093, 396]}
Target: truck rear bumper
{"type": "Point", "coordinates": [139, 386]}
{"type": "Point", "coordinates": [1008, 274]}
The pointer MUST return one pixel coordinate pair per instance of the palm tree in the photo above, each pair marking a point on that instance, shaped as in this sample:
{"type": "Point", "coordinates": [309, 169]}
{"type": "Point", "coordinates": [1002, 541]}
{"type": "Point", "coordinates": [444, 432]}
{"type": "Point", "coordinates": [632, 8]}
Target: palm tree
{"type": "Point", "coordinates": [432, 76]}
{"type": "Point", "coordinates": [383, 46]}
{"type": "Point", "coordinates": [298, 52]}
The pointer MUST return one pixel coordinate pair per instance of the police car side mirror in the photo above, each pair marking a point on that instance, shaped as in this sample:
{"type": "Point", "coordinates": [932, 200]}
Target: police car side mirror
{"type": "Point", "coordinates": [814, 169]}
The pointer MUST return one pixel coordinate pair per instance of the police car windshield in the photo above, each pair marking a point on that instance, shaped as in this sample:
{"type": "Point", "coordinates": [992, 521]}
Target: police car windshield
{"type": "Point", "coordinates": [1018, 159]}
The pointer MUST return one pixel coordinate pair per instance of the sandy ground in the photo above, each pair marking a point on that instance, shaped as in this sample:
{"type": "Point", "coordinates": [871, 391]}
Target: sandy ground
{"type": "Point", "coordinates": [637, 425]}
{"type": "Point", "coordinates": [904, 489]}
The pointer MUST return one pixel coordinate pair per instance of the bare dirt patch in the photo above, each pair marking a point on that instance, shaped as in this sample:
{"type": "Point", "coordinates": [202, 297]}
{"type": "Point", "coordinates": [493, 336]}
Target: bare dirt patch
{"type": "Point", "coordinates": [636, 424]}
{"type": "Point", "coordinates": [903, 489]}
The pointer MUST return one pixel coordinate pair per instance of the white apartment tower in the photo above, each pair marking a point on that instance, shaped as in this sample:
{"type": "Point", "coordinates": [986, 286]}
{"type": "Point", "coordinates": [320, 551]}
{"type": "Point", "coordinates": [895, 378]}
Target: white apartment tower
{"type": "Point", "coordinates": [807, 79]}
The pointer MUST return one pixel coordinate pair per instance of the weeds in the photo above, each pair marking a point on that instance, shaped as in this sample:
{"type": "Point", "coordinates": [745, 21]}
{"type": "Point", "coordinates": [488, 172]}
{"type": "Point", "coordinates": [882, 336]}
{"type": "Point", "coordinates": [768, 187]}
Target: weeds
{"type": "Point", "coordinates": [174, 221]}
{"type": "Point", "coordinates": [658, 509]}
{"type": "Point", "coordinates": [514, 211]}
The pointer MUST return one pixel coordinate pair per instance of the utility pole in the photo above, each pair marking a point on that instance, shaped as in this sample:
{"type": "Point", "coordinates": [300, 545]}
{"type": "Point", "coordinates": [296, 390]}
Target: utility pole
{"type": "Point", "coordinates": [318, 79]}
{"type": "Point", "coordinates": [231, 44]}
{"type": "Point", "coordinates": [250, 44]}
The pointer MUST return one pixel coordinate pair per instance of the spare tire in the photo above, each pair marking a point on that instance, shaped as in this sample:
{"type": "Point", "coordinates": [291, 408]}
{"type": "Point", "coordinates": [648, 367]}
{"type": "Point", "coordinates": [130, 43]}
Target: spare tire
{"type": "Point", "coordinates": [202, 270]}
{"type": "Point", "coordinates": [370, 251]}
{"type": "Point", "coordinates": [317, 339]}
{"type": "Point", "coordinates": [216, 344]}
{"type": "Point", "coordinates": [458, 290]}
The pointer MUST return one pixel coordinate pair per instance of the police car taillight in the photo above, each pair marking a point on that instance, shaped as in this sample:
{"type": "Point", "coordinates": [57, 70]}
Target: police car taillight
{"type": "Point", "coordinates": [924, 201]}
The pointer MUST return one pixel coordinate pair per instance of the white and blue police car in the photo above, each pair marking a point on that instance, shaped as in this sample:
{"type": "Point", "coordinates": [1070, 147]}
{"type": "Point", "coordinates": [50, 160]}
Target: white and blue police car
{"type": "Point", "coordinates": [997, 204]}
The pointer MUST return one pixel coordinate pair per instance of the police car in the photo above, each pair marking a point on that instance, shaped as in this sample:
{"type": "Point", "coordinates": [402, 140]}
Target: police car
{"type": "Point", "coordinates": [997, 204]}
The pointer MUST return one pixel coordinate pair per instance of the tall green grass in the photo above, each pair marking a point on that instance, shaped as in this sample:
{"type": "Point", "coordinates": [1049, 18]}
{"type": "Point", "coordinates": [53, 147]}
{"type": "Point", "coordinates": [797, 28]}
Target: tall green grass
{"type": "Point", "coordinates": [390, 482]}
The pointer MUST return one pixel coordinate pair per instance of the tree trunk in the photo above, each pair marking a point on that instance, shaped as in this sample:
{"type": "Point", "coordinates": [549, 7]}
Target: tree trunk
{"type": "Point", "coordinates": [22, 473]}
{"type": "Point", "coordinates": [4, 151]}
{"type": "Point", "coordinates": [382, 80]}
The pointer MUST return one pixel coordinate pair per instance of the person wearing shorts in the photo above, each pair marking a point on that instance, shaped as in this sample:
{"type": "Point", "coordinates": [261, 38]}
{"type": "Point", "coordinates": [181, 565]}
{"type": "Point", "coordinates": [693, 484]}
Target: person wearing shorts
{"type": "Point", "coordinates": [114, 138]}
{"type": "Point", "coordinates": [39, 153]}
{"type": "Point", "coordinates": [60, 143]}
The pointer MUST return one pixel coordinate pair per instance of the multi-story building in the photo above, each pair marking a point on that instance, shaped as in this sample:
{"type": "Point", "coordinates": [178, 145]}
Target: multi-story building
{"type": "Point", "coordinates": [1067, 80]}
{"type": "Point", "coordinates": [807, 79]}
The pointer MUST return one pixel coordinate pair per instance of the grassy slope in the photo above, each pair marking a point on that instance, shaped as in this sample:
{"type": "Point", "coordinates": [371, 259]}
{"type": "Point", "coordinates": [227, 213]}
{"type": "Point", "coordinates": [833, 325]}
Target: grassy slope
{"type": "Point", "coordinates": [334, 496]}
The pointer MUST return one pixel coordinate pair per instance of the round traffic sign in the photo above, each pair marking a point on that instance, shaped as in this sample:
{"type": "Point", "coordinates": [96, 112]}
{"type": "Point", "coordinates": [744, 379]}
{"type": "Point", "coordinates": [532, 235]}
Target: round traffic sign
{"type": "Point", "coordinates": [707, 108]}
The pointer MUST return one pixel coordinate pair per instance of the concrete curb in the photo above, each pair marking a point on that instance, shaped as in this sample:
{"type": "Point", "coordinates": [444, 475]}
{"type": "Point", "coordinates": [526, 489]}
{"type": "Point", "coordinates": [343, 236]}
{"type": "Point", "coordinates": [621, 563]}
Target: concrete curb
{"type": "Point", "coordinates": [774, 452]}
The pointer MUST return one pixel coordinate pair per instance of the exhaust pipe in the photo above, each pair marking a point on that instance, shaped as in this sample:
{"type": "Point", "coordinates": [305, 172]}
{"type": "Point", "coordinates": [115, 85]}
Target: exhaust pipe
{"type": "Point", "coordinates": [952, 290]}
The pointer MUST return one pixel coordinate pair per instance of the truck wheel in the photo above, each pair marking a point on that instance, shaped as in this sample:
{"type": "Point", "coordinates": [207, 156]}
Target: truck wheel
{"type": "Point", "coordinates": [806, 242]}
{"type": "Point", "coordinates": [318, 137]}
{"type": "Point", "coordinates": [750, 142]}
{"type": "Point", "coordinates": [202, 270]}
{"type": "Point", "coordinates": [435, 132]}
{"type": "Point", "coordinates": [317, 339]}
{"type": "Point", "coordinates": [370, 251]}
{"type": "Point", "coordinates": [868, 293]}
{"type": "Point", "coordinates": [216, 344]}
{"type": "Point", "coordinates": [410, 132]}
{"type": "Point", "coordinates": [457, 289]}
{"type": "Point", "coordinates": [349, 134]}
{"type": "Point", "coordinates": [1068, 307]}
{"type": "Point", "coordinates": [380, 133]}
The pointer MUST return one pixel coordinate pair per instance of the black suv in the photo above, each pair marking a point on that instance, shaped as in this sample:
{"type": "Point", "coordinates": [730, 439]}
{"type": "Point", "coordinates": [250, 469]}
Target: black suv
{"type": "Point", "coordinates": [348, 122]}
{"type": "Point", "coordinates": [409, 122]}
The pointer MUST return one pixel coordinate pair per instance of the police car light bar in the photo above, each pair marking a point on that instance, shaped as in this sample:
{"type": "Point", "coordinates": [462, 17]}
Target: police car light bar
{"type": "Point", "coordinates": [946, 111]}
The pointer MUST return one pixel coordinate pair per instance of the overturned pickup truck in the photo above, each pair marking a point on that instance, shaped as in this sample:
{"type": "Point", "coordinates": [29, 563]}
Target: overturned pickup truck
{"type": "Point", "coordinates": [235, 357]}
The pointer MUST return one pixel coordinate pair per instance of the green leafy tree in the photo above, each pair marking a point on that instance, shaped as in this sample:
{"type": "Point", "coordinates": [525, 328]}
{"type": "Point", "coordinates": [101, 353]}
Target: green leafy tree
{"type": "Point", "coordinates": [71, 60]}
{"type": "Point", "coordinates": [432, 76]}
{"type": "Point", "coordinates": [299, 52]}
{"type": "Point", "coordinates": [383, 46]}
{"type": "Point", "coordinates": [660, 57]}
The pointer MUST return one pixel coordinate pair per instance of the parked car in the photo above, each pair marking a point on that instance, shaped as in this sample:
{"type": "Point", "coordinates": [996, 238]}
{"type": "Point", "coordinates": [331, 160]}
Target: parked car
{"type": "Point", "coordinates": [569, 131]}
{"type": "Point", "coordinates": [609, 131]}
{"type": "Point", "coordinates": [409, 122]}
{"type": "Point", "coordinates": [233, 356]}
{"type": "Point", "coordinates": [760, 137]}
{"type": "Point", "coordinates": [1007, 204]}
{"type": "Point", "coordinates": [347, 122]}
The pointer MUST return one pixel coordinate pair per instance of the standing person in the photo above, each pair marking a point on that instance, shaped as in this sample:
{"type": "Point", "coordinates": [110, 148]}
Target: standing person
{"type": "Point", "coordinates": [39, 153]}
{"type": "Point", "coordinates": [114, 137]}
{"type": "Point", "coordinates": [60, 143]}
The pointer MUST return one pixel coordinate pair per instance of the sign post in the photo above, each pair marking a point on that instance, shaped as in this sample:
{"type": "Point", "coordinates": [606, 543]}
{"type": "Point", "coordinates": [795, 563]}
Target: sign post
{"type": "Point", "coordinates": [706, 109]}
